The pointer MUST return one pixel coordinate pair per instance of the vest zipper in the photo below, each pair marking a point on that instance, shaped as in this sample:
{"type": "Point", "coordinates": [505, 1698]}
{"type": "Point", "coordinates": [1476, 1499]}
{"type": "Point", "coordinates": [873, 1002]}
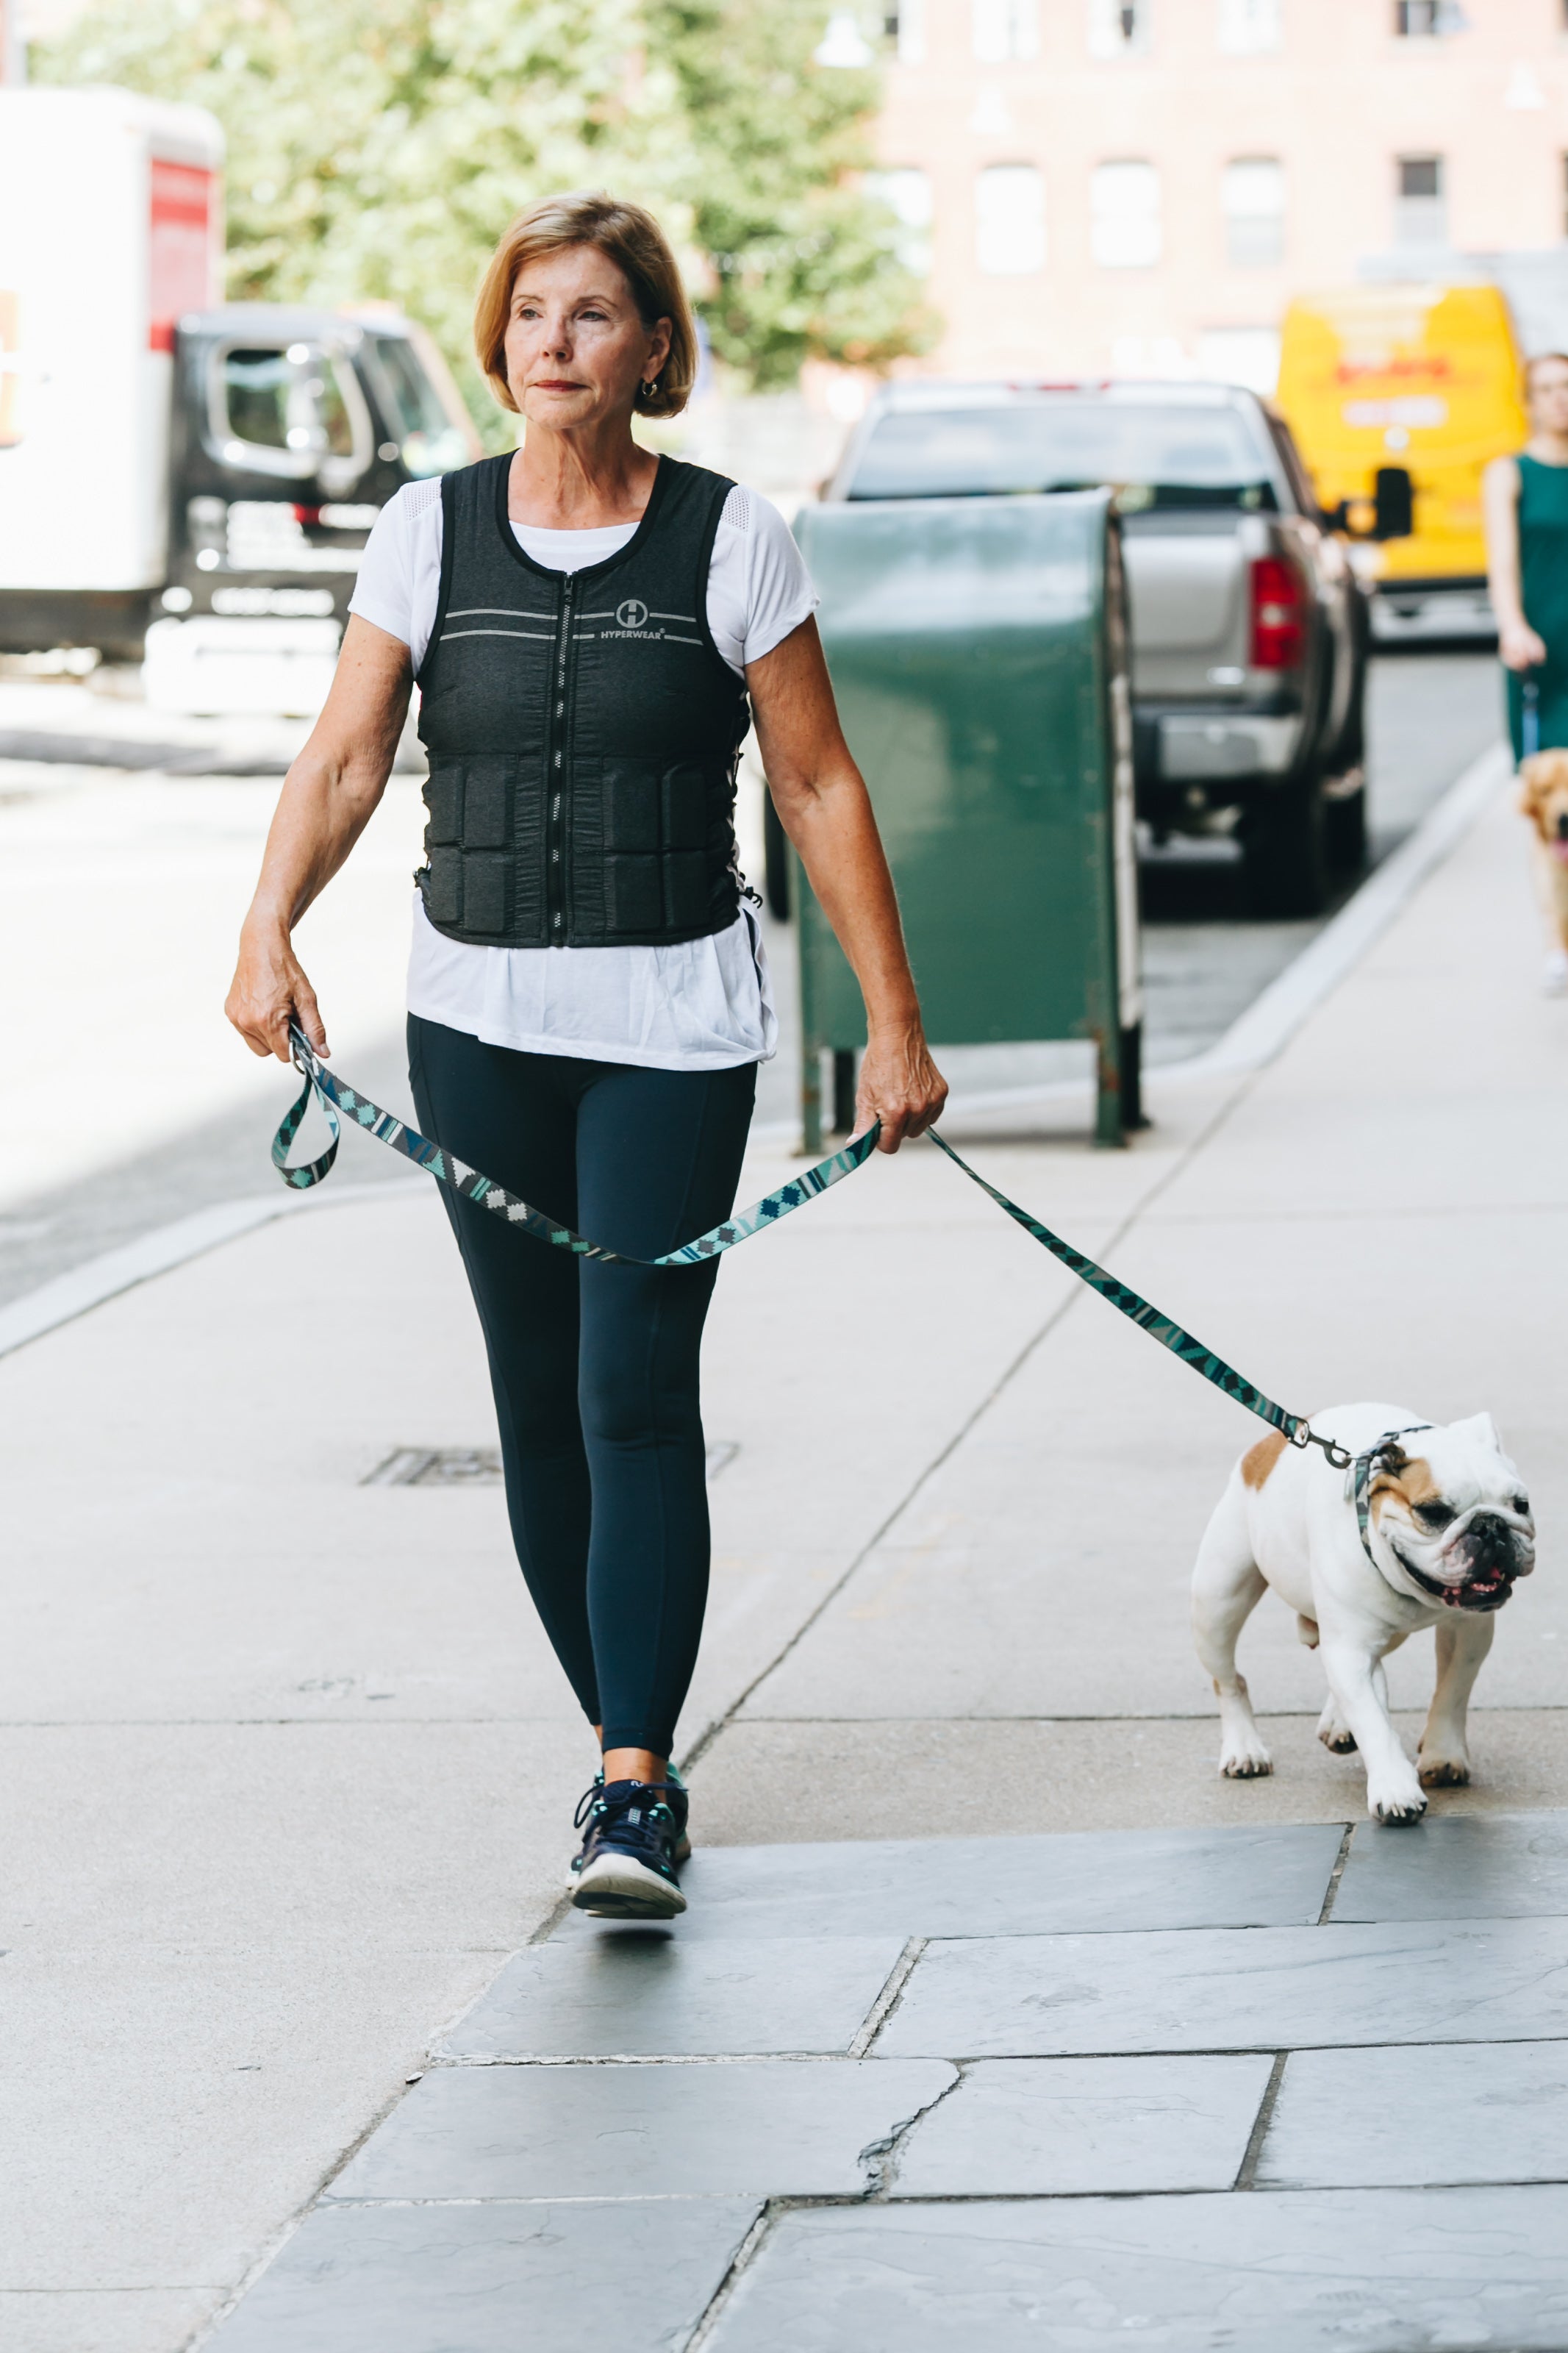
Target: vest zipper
{"type": "Point", "coordinates": [556, 828]}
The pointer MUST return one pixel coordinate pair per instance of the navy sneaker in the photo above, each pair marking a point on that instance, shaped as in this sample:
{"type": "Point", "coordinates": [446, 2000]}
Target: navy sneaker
{"type": "Point", "coordinates": [631, 1833]}
{"type": "Point", "coordinates": [677, 1797]}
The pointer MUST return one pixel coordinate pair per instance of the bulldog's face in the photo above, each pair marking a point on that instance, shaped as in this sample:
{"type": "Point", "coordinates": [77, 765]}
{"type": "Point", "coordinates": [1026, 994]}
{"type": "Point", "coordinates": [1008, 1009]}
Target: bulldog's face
{"type": "Point", "coordinates": [1543, 797]}
{"type": "Point", "coordinates": [1454, 1513]}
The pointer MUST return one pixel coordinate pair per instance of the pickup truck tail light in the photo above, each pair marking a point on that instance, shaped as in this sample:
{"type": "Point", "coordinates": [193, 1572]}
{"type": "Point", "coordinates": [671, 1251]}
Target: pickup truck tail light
{"type": "Point", "coordinates": [1278, 615]}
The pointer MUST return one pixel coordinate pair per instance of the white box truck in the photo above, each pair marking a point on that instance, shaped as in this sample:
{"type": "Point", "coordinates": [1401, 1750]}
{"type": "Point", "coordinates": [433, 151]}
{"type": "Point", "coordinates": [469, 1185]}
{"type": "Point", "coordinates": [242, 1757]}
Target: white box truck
{"type": "Point", "coordinates": [180, 477]}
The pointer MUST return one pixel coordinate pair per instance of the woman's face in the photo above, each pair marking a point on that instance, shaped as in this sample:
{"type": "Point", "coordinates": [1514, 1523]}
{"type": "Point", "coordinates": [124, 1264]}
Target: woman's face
{"type": "Point", "coordinates": [575, 348]}
{"type": "Point", "coordinates": [1549, 397]}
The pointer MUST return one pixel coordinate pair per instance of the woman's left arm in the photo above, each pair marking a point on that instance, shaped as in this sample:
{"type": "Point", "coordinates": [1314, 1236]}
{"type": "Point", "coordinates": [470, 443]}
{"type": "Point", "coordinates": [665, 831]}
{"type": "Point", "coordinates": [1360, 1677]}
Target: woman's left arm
{"type": "Point", "coordinates": [825, 810]}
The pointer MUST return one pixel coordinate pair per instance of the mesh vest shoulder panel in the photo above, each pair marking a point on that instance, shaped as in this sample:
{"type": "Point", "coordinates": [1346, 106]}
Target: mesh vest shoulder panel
{"type": "Point", "coordinates": [583, 731]}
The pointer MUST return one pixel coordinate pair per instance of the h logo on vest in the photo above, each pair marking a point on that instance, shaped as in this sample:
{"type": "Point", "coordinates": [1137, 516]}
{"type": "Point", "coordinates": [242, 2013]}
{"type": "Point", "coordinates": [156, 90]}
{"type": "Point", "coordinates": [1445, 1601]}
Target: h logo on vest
{"type": "Point", "coordinates": [632, 613]}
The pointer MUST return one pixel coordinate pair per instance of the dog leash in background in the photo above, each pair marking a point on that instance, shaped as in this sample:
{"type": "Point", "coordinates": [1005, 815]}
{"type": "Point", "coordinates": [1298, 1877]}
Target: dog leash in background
{"type": "Point", "coordinates": [1529, 718]}
{"type": "Point", "coordinates": [337, 1096]}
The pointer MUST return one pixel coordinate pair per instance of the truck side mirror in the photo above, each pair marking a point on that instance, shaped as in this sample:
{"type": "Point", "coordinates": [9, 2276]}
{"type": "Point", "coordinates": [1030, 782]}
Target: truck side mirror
{"type": "Point", "coordinates": [1393, 504]}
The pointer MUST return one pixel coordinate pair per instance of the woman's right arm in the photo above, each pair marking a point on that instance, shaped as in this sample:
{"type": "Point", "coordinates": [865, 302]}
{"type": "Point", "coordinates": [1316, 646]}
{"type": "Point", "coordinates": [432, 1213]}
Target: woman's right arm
{"type": "Point", "coordinates": [327, 798]}
{"type": "Point", "coordinates": [1517, 642]}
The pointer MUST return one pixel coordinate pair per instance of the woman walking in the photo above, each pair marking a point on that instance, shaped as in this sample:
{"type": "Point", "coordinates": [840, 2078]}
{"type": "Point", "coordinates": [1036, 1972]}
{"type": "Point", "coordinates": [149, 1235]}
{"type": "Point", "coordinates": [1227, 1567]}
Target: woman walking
{"type": "Point", "coordinates": [593, 629]}
{"type": "Point", "coordinates": [1526, 501]}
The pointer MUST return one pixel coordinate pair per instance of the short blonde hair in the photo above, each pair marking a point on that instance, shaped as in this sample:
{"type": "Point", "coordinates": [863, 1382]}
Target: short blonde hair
{"type": "Point", "coordinates": [634, 241]}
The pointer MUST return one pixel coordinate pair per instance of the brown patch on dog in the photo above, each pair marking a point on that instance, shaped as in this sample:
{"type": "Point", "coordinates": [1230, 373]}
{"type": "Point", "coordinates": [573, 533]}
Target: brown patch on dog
{"type": "Point", "coordinates": [1543, 792]}
{"type": "Point", "coordinates": [1259, 1460]}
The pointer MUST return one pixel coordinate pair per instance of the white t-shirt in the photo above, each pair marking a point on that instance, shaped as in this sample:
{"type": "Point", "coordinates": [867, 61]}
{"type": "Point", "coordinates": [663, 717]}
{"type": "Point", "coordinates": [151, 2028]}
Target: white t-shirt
{"type": "Point", "coordinates": [702, 1005]}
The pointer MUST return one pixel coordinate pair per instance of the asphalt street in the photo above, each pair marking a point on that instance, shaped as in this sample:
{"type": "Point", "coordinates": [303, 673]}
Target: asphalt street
{"type": "Point", "coordinates": [1204, 961]}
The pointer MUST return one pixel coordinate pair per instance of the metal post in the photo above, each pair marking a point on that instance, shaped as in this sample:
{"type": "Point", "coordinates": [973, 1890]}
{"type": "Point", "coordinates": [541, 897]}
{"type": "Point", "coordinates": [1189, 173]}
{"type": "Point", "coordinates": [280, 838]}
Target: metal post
{"type": "Point", "coordinates": [806, 919]}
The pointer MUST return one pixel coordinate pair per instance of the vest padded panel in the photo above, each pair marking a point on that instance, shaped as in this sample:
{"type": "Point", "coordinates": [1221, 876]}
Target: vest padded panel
{"type": "Point", "coordinates": [583, 730]}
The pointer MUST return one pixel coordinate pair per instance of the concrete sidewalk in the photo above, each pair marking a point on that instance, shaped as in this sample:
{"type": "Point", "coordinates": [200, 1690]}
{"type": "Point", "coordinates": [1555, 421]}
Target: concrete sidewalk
{"type": "Point", "coordinates": [296, 1769]}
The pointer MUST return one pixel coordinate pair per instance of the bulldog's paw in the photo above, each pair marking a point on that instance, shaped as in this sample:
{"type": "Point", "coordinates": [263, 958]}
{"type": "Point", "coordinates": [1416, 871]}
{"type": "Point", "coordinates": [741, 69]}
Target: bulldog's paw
{"type": "Point", "coordinates": [1337, 1737]}
{"type": "Point", "coordinates": [1246, 1761]}
{"type": "Point", "coordinates": [1399, 1801]}
{"type": "Point", "coordinates": [1442, 1772]}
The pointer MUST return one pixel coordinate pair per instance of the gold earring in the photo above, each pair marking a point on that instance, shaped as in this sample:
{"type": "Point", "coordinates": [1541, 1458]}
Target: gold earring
{"type": "Point", "coordinates": [650, 387]}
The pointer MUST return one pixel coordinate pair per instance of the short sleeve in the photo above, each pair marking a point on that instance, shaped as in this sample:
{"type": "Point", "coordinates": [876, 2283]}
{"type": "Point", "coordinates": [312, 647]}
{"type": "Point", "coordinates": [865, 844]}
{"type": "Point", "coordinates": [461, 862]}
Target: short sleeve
{"type": "Point", "coordinates": [779, 591]}
{"type": "Point", "coordinates": [399, 573]}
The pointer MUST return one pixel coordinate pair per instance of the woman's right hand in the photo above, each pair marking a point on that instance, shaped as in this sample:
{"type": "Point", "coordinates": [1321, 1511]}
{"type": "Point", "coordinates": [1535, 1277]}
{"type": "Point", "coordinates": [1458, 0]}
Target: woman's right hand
{"type": "Point", "coordinates": [268, 989]}
{"type": "Point", "coordinates": [1520, 646]}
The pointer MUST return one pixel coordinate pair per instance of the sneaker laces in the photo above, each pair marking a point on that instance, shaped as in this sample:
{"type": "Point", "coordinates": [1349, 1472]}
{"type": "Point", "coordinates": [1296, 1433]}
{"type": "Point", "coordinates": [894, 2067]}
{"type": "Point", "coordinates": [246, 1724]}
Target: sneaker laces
{"type": "Point", "coordinates": [609, 1809]}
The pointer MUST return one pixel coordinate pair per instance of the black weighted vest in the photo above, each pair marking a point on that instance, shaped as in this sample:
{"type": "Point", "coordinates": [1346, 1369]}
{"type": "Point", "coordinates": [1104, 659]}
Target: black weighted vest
{"type": "Point", "coordinates": [583, 730]}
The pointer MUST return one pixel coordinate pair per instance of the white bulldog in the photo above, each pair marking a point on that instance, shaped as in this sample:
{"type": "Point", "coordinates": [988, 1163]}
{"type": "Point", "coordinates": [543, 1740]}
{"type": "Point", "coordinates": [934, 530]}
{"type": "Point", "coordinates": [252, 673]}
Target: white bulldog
{"type": "Point", "coordinates": [1430, 1526]}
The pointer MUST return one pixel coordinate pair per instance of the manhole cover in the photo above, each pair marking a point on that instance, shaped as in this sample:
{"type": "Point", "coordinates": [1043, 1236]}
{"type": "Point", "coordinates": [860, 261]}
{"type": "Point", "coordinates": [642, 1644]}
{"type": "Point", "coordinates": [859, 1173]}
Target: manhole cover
{"type": "Point", "coordinates": [479, 1466]}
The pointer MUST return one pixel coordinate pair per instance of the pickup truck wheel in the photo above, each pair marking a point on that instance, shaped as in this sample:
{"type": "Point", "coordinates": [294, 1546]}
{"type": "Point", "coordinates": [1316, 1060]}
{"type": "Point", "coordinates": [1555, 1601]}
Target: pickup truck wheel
{"type": "Point", "coordinates": [1284, 850]}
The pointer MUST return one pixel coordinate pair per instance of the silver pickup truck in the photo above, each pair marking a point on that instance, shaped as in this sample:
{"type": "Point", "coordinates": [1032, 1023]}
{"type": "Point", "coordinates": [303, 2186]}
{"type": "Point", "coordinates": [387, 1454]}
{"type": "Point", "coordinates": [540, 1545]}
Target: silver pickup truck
{"type": "Point", "coordinates": [1249, 630]}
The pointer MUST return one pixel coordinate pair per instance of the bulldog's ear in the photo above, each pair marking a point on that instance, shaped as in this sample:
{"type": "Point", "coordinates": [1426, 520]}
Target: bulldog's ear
{"type": "Point", "coordinates": [1483, 1429]}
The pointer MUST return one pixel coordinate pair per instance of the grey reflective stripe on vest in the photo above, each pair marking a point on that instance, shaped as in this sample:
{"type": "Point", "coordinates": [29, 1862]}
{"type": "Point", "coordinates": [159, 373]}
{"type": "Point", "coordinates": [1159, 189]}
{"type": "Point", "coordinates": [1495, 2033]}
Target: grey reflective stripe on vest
{"type": "Point", "coordinates": [583, 730]}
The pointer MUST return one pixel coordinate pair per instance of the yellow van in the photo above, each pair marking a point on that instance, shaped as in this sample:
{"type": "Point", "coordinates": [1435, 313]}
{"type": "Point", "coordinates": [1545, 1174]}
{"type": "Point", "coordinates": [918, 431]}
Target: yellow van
{"type": "Point", "coordinates": [1423, 377]}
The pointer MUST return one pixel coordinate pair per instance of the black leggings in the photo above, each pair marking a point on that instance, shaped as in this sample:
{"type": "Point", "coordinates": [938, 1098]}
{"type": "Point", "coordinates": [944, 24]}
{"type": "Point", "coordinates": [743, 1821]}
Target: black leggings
{"type": "Point", "coordinates": [594, 1368]}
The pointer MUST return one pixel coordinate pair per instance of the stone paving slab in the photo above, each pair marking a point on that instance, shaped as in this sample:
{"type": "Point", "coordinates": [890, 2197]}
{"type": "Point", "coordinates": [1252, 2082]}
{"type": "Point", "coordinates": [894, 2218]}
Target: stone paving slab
{"type": "Point", "coordinates": [1062, 2127]}
{"type": "Point", "coordinates": [647, 1995]}
{"type": "Point", "coordinates": [1443, 2113]}
{"type": "Point", "coordinates": [1235, 1989]}
{"type": "Point", "coordinates": [631, 2274]}
{"type": "Point", "coordinates": [108, 2320]}
{"type": "Point", "coordinates": [759, 2127]}
{"type": "Point", "coordinates": [1305, 2271]}
{"type": "Point", "coordinates": [1011, 1886]}
{"type": "Point", "coordinates": [1462, 1867]}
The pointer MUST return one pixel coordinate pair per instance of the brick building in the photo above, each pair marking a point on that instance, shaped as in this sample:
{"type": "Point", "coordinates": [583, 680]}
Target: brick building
{"type": "Point", "coordinates": [1137, 187]}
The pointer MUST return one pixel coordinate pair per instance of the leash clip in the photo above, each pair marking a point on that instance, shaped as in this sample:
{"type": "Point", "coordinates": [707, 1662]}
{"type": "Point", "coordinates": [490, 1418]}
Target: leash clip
{"type": "Point", "coordinates": [1304, 1435]}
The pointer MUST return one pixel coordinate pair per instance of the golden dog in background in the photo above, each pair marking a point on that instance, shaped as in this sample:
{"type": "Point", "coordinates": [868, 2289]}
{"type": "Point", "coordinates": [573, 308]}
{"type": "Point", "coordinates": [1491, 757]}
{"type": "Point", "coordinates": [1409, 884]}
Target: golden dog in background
{"type": "Point", "coordinates": [1543, 798]}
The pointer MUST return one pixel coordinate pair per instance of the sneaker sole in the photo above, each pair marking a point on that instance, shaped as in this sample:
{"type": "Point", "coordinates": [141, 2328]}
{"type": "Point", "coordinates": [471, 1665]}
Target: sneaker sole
{"type": "Point", "coordinates": [624, 1889]}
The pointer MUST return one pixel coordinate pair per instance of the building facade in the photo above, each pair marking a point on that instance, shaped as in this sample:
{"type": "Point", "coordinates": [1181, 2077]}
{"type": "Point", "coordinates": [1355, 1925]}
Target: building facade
{"type": "Point", "coordinates": [1137, 187]}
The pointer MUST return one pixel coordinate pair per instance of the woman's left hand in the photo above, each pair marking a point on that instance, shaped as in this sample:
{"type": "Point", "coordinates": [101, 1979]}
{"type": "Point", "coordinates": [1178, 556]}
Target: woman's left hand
{"type": "Point", "coordinates": [901, 1085]}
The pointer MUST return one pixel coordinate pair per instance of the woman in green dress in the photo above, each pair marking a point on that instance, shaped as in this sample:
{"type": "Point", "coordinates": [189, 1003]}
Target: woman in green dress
{"type": "Point", "coordinates": [1527, 559]}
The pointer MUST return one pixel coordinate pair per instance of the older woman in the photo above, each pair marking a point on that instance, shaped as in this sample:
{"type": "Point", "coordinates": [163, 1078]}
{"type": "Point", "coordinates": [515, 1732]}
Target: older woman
{"type": "Point", "coordinates": [593, 629]}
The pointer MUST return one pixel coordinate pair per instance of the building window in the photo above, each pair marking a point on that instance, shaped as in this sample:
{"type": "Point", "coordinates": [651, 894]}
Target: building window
{"type": "Point", "coordinates": [1247, 26]}
{"type": "Point", "coordinates": [904, 25]}
{"type": "Point", "coordinates": [906, 191]}
{"type": "Point", "coordinates": [1004, 29]}
{"type": "Point", "coordinates": [1252, 195]}
{"type": "Point", "coordinates": [1119, 28]}
{"type": "Point", "coordinates": [1420, 203]}
{"type": "Point", "coordinates": [1124, 216]}
{"type": "Point", "coordinates": [1427, 20]}
{"type": "Point", "coordinates": [1010, 220]}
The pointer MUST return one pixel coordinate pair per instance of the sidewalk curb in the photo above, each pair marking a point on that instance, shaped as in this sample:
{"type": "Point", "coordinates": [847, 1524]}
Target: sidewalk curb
{"type": "Point", "coordinates": [164, 1248]}
{"type": "Point", "coordinates": [1253, 1040]}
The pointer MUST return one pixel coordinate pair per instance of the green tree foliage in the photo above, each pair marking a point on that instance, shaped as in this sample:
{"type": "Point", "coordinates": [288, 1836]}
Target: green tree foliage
{"type": "Point", "coordinates": [377, 148]}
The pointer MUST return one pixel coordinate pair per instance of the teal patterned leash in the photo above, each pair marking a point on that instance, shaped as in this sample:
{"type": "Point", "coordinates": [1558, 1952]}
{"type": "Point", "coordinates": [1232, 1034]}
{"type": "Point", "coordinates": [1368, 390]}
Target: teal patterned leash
{"type": "Point", "coordinates": [336, 1096]}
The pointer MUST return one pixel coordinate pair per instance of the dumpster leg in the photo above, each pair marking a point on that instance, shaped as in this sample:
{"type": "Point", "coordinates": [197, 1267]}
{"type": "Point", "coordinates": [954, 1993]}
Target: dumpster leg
{"type": "Point", "coordinates": [843, 1090]}
{"type": "Point", "coordinates": [811, 1099]}
{"type": "Point", "coordinates": [1108, 1109]}
{"type": "Point", "coordinates": [1132, 1112]}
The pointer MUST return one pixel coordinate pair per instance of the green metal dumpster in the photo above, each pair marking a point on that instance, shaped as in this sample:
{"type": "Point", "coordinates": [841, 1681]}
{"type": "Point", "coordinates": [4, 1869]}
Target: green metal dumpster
{"type": "Point", "coordinates": [978, 654]}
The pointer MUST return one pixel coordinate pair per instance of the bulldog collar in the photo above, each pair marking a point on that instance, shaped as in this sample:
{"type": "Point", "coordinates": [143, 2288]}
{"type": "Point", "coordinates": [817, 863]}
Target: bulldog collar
{"type": "Point", "coordinates": [1366, 1467]}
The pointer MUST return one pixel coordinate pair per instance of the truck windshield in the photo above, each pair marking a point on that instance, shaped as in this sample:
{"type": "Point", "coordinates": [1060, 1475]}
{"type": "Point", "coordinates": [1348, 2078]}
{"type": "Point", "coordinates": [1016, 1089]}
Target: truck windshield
{"type": "Point", "coordinates": [1151, 456]}
{"type": "Point", "coordinates": [428, 439]}
{"type": "Point", "coordinates": [277, 399]}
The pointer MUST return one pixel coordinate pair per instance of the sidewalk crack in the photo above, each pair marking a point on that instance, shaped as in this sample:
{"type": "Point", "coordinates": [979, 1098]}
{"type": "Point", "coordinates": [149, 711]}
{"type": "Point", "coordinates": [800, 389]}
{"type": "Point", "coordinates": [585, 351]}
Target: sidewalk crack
{"type": "Point", "coordinates": [880, 2158]}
